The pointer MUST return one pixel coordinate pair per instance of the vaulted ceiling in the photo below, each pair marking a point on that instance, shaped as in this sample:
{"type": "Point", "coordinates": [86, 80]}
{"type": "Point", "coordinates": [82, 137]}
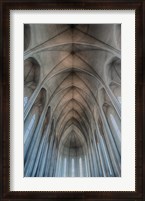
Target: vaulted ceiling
{"type": "Point", "coordinates": [73, 61]}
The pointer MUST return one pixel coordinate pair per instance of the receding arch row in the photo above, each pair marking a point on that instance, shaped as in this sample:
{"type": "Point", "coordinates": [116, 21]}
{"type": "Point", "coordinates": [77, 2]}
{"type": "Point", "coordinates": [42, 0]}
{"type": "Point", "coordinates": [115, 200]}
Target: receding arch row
{"type": "Point", "coordinates": [80, 104]}
{"type": "Point", "coordinates": [84, 124]}
{"type": "Point", "coordinates": [65, 71]}
{"type": "Point", "coordinates": [84, 103]}
{"type": "Point", "coordinates": [60, 116]}
{"type": "Point", "coordinates": [63, 112]}
{"type": "Point", "coordinates": [73, 69]}
{"type": "Point", "coordinates": [73, 122]}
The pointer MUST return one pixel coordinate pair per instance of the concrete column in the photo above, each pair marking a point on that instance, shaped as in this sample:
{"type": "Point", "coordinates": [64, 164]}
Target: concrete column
{"type": "Point", "coordinates": [35, 144]}
{"type": "Point", "coordinates": [90, 159]}
{"type": "Point", "coordinates": [38, 157]}
{"type": "Point", "coordinates": [50, 151]}
{"type": "Point", "coordinates": [95, 153]}
{"type": "Point", "coordinates": [44, 157]}
{"type": "Point", "coordinates": [41, 158]}
{"type": "Point", "coordinates": [53, 161]}
{"type": "Point", "coordinates": [114, 155]}
{"type": "Point", "coordinates": [88, 165]}
{"type": "Point", "coordinates": [57, 165]}
{"type": "Point", "coordinates": [108, 165]}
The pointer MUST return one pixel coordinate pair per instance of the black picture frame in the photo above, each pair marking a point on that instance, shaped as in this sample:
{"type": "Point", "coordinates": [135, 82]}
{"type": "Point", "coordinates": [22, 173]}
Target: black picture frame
{"type": "Point", "coordinates": [6, 6]}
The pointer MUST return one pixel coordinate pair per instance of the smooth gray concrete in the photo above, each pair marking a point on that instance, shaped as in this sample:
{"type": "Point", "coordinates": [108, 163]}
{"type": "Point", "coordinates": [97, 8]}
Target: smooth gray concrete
{"type": "Point", "coordinates": [72, 100]}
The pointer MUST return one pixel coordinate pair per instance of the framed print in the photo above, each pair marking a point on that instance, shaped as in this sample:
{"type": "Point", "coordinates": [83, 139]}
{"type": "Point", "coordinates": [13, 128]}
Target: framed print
{"type": "Point", "coordinates": [72, 100]}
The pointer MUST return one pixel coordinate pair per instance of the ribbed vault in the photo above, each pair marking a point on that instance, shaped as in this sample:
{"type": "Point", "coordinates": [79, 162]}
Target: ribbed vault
{"type": "Point", "coordinates": [73, 134]}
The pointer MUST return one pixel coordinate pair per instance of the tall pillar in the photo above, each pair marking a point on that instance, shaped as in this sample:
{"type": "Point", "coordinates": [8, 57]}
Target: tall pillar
{"type": "Point", "coordinates": [114, 155]}
{"type": "Point", "coordinates": [35, 144]}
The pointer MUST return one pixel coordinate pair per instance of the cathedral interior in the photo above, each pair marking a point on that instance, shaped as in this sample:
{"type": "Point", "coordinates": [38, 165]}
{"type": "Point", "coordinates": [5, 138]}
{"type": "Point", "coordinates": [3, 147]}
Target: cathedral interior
{"type": "Point", "coordinates": [72, 100]}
